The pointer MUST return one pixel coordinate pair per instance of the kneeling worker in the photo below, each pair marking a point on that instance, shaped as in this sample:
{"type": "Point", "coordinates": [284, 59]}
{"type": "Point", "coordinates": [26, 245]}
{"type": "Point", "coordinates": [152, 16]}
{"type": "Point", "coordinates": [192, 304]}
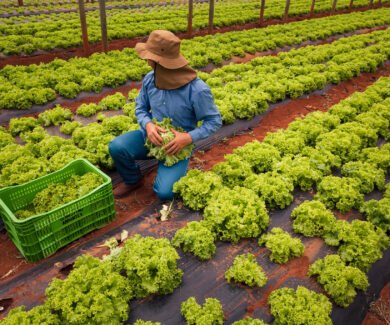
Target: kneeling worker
{"type": "Point", "coordinates": [171, 90]}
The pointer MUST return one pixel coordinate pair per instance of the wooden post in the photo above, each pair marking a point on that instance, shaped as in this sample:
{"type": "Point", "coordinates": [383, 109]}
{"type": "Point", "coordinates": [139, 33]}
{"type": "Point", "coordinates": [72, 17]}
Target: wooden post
{"type": "Point", "coordinates": [334, 5]}
{"type": "Point", "coordinates": [313, 3]}
{"type": "Point", "coordinates": [286, 9]}
{"type": "Point", "coordinates": [84, 30]}
{"type": "Point", "coordinates": [103, 24]}
{"type": "Point", "coordinates": [20, 3]}
{"type": "Point", "coordinates": [189, 23]}
{"type": "Point", "coordinates": [211, 16]}
{"type": "Point", "coordinates": [350, 5]}
{"type": "Point", "coordinates": [262, 7]}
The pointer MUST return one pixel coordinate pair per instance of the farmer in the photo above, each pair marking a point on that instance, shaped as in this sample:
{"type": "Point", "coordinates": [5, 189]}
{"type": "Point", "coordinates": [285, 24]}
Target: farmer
{"type": "Point", "coordinates": [171, 90]}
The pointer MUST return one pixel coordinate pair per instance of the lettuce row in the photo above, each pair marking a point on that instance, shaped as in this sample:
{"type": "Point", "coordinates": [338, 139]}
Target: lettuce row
{"type": "Point", "coordinates": [245, 269]}
{"type": "Point", "coordinates": [312, 218]}
{"type": "Point", "coordinates": [339, 281]}
{"type": "Point", "coordinates": [236, 213]}
{"type": "Point", "coordinates": [378, 212]}
{"type": "Point", "coordinates": [196, 188]}
{"type": "Point", "coordinates": [92, 293]}
{"type": "Point", "coordinates": [210, 313]}
{"type": "Point", "coordinates": [283, 247]}
{"type": "Point", "coordinates": [197, 238]}
{"type": "Point", "coordinates": [300, 306]}
{"type": "Point", "coordinates": [360, 243]}
{"type": "Point", "coordinates": [149, 265]}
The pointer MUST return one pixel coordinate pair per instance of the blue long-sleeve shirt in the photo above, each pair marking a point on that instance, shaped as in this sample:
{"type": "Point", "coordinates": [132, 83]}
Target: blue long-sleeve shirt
{"type": "Point", "coordinates": [185, 106]}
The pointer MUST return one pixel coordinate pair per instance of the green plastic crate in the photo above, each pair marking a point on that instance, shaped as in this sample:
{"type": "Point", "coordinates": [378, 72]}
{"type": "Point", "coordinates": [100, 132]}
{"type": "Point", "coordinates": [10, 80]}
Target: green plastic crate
{"type": "Point", "coordinates": [43, 234]}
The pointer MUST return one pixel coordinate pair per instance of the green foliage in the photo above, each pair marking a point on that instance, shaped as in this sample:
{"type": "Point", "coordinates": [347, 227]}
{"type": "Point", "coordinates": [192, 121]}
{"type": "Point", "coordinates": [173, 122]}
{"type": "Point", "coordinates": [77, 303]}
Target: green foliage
{"type": "Point", "coordinates": [22, 170]}
{"type": "Point", "coordinates": [260, 156]}
{"type": "Point", "coordinates": [273, 188]}
{"type": "Point", "coordinates": [94, 139]}
{"type": "Point", "coordinates": [339, 281]}
{"type": "Point", "coordinates": [360, 243]}
{"type": "Point", "coordinates": [22, 124]}
{"type": "Point", "coordinates": [387, 191]}
{"type": "Point", "coordinates": [68, 89]}
{"type": "Point", "coordinates": [233, 171]}
{"type": "Point", "coordinates": [92, 294]}
{"type": "Point", "coordinates": [67, 154]}
{"type": "Point", "coordinates": [149, 265]}
{"type": "Point", "coordinates": [368, 174]}
{"type": "Point", "coordinates": [210, 313]}
{"type": "Point", "coordinates": [87, 110]}
{"type": "Point", "coordinates": [341, 193]}
{"type": "Point", "coordinates": [322, 160]}
{"type": "Point", "coordinates": [376, 156]}
{"type": "Point", "coordinates": [129, 110]}
{"type": "Point", "coordinates": [302, 172]}
{"type": "Point", "coordinates": [197, 238]}
{"type": "Point", "coordinates": [368, 136]}
{"type": "Point", "coordinates": [245, 269]}
{"type": "Point", "coordinates": [375, 121]}
{"type": "Point", "coordinates": [58, 194]}
{"type": "Point", "coordinates": [343, 144]}
{"type": "Point", "coordinates": [40, 315]}
{"type": "Point", "coordinates": [311, 218]}
{"type": "Point", "coordinates": [48, 146]}
{"type": "Point", "coordinates": [300, 306]}
{"type": "Point", "coordinates": [120, 124]}
{"type": "Point", "coordinates": [68, 127]}
{"type": "Point", "coordinates": [378, 212]}
{"type": "Point", "coordinates": [5, 138]}
{"type": "Point", "coordinates": [132, 95]}
{"type": "Point", "coordinates": [314, 124]}
{"type": "Point", "coordinates": [112, 102]}
{"type": "Point", "coordinates": [236, 213]}
{"type": "Point", "coordinates": [159, 153]}
{"type": "Point", "coordinates": [283, 247]}
{"type": "Point", "coordinates": [34, 136]}
{"type": "Point", "coordinates": [197, 187]}
{"type": "Point", "coordinates": [12, 152]}
{"type": "Point", "coordinates": [286, 141]}
{"type": "Point", "coordinates": [55, 116]}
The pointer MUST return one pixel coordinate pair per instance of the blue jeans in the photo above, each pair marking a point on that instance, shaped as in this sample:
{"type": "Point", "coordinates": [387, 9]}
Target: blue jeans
{"type": "Point", "coordinates": [129, 147]}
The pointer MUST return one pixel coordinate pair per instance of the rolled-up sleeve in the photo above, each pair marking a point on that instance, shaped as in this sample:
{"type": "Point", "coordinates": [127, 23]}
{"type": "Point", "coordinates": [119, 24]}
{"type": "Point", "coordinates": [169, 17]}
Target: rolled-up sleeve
{"type": "Point", "coordinates": [206, 111]}
{"type": "Point", "coordinates": [142, 107]}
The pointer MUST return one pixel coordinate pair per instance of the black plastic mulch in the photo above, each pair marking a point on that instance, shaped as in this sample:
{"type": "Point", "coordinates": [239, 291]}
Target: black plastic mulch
{"type": "Point", "coordinates": [206, 279]}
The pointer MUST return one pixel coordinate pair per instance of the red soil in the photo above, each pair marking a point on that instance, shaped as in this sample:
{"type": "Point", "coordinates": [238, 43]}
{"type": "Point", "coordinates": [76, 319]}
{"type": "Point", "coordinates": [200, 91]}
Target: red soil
{"type": "Point", "coordinates": [120, 44]}
{"type": "Point", "coordinates": [379, 313]}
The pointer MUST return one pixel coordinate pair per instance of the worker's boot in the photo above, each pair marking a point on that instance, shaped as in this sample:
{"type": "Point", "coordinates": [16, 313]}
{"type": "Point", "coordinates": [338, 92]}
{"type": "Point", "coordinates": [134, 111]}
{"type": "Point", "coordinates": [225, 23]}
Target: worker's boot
{"type": "Point", "coordinates": [123, 189]}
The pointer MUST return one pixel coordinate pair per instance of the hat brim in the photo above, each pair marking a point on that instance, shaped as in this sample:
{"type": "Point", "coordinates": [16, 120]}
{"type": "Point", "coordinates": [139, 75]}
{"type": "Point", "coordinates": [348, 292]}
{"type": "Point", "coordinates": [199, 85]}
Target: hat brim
{"type": "Point", "coordinates": [167, 63]}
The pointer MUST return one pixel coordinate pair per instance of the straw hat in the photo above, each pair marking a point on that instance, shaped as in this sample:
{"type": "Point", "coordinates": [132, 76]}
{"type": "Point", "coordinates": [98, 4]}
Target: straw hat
{"type": "Point", "coordinates": [162, 47]}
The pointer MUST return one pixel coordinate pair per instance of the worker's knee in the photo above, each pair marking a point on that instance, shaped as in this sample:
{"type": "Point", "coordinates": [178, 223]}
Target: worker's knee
{"type": "Point", "coordinates": [116, 147]}
{"type": "Point", "coordinates": [163, 191]}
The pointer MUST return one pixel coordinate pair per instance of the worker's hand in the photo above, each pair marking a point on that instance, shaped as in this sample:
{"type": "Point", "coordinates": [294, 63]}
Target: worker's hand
{"type": "Point", "coordinates": [181, 140]}
{"type": "Point", "coordinates": [153, 132]}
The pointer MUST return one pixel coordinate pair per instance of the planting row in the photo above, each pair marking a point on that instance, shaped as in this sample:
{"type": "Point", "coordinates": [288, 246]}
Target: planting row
{"type": "Point", "coordinates": [234, 197]}
{"type": "Point", "coordinates": [26, 35]}
{"type": "Point", "coordinates": [241, 91]}
{"type": "Point", "coordinates": [23, 86]}
{"type": "Point", "coordinates": [235, 194]}
{"type": "Point", "coordinates": [42, 8]}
